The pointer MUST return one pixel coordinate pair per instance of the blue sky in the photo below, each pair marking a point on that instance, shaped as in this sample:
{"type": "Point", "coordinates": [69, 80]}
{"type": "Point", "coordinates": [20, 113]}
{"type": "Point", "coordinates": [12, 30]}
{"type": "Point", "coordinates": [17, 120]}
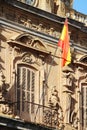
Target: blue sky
{"type": "Point", "coordinates": [80, 6]}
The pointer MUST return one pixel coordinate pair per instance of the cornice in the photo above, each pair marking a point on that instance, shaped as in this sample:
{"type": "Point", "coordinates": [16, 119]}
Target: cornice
{"type": "Point", "coordinates": [20, 124]}
{"type": "Point", "coordinates": [50, 39]}
{"type": "Point", "coordinates": [9, 24]}
{"type": "Point", "coordinates": [44, 14]}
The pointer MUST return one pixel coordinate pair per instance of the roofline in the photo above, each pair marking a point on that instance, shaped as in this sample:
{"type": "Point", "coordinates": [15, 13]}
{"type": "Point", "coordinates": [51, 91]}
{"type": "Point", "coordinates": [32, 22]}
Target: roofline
{"type": "Point", "coordinates": [47, 15]}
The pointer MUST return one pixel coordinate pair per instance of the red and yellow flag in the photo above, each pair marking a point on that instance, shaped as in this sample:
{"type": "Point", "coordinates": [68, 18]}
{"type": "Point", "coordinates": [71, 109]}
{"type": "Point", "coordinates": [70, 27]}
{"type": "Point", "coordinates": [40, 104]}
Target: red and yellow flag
{"type": "Point", "coordinates": [65, 45]}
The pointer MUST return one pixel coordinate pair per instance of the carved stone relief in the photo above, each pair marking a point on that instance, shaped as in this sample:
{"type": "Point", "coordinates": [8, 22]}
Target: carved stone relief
{"type": "Point", "coordinates": [29, 58]}
{"type": "Point", "coordinates": [4, 105]}
{"type": "Point", "coordinates": [28, 22]}
{"type": "Point", "coordinates": [84, 59]}
{"type": "Point", "coordinates": [68, 91]}
{"type": "Point", "coordinates": [25, 40]}
{"type": "Point", "coordinates": [36, 49]}
{"type": "Point", "coordinates": [68, 76]}
{"type": "Point", "coordinates": [54, 114]}
{"type": "Point", "coordinates": [54, 99]}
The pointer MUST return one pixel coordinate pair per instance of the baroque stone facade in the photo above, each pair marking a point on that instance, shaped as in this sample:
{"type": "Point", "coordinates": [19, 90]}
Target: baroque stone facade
{"type": "Point", "coordinates": [33, 85]}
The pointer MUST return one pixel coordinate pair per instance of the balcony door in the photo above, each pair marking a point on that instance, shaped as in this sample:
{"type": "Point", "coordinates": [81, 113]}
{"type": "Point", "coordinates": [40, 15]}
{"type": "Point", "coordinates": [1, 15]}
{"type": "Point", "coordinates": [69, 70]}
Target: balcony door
{"type": "Point", "coordinates": [25, 91]}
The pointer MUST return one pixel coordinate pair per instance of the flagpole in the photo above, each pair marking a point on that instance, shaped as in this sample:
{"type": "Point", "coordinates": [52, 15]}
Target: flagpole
{"type": "Point", "coordinates": [65, 55]}
{"type": "Point", "coordinates": [64, 58]}
{"type": "Point", "coordinates": [60, 74]}
{"type": "Point", "coordinates": [46, 86]}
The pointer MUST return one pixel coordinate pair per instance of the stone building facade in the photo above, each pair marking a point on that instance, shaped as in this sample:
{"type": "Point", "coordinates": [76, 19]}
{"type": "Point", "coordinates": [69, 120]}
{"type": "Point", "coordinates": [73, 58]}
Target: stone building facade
{"type": "Point", "coordinates": [34, 89]}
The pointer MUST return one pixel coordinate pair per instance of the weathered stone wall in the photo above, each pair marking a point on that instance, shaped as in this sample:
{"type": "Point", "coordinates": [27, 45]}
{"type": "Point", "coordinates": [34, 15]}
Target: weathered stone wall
{"type": "Point", "coordinates": [28, 40]}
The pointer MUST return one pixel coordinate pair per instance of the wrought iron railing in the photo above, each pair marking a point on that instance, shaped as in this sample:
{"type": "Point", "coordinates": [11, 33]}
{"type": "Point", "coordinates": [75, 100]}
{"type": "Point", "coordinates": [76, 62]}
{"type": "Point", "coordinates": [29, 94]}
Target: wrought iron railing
{"type": "Point", "coordinates": [43, 115]}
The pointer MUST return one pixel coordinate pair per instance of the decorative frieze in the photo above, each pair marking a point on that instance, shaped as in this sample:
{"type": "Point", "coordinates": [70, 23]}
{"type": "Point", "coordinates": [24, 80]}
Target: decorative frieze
{"type": "Point", "coordinates": [28, 21]}
{"type": "Point", "coordinates": [36, 24]}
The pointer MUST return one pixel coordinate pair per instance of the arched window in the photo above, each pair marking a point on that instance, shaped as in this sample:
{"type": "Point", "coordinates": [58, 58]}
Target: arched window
{"type": "Point", "coordinates": [25, 89]}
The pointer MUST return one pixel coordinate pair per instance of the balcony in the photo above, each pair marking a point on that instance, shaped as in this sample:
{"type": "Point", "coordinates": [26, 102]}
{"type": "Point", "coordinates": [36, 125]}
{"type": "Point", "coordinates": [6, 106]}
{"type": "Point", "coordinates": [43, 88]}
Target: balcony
{"type": "Point", "coordinates": [77, 16]}
{"type": "Point", "coordinates": [47, 117]}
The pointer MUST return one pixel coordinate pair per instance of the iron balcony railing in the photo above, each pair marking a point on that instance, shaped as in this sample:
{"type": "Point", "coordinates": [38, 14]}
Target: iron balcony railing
{"type": "Point", "coordinates": [35, 113]}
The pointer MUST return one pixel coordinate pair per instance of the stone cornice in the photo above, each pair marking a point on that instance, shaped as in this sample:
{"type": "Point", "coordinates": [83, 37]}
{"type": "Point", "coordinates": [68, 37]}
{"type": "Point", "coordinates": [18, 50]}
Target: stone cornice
{"type": "Point", "coordinates": [10, 24]}
{"type": "Point", "coordinates": [20, 124]}
{"type": "Point", "coordinates": [44, 14]}
{"type": "Point", "coordinates": [48, 38]}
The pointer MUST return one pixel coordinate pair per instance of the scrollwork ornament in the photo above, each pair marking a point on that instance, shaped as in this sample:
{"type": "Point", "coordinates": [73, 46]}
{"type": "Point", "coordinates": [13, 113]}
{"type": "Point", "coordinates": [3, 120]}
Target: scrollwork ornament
{"type": "Point", "coordinates": [29, 58]}
{"type": "Point", "coordinates": [6, 109]}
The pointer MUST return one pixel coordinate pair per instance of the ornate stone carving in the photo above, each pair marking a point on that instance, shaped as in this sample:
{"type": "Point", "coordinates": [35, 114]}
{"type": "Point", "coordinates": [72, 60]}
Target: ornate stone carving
{"type": "Point", "coordinates": [51, 31]}
{"type": "Point", "coordinates": [28, 23]}
{"type": "Point", "coordinates": [29, 58]}
{"type": "Point", "coordinates": [40, 27]}
{"type": "Point", "coordinates": [54, 115]}
{"type": "Point", "coordinates": [54, 100]}
{"type": "Point", "coordinates": [2, 79]}
{"type": "Point", "coordinates": [74, 120]}
{"type": "Point", "coordinates": [68, 76]}
{"type": "Point", "coordinates": [68, 90]}
{"type": "Point", "coordinates": [27, 40]}
{"type": "Point", "coordinates": [4, 107]}
{"type": "Point", "coordinates": [84, 59]}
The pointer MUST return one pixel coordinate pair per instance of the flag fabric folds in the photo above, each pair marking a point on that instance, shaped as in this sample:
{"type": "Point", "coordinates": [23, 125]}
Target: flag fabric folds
{"type": "Point", "coordinates": [65, 45]}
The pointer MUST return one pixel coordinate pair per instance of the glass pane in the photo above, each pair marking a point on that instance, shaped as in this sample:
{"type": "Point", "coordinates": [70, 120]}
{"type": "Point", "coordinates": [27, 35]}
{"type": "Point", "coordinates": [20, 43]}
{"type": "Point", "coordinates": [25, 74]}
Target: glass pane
{"type": "Point", "coordinates": [18, 99]}
{"type": "Point", "coordinates": [28, 80]}
{"type": "Point", "coordinates": [18, 77]}
{"type": "Point", "coordinates": [32, 105]}
{"type": "Point", "coordinates": [33, 82]}
{"type": "Point", "coordinates": [23, 100]}
{"type": "Point", "coordinates": [24, 78]}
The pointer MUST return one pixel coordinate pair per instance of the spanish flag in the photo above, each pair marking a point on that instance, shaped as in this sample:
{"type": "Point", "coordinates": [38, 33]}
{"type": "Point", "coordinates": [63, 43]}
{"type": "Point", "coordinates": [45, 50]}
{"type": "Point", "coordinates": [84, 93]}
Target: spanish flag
{"type": "Point", "coordinates": [65, 45]}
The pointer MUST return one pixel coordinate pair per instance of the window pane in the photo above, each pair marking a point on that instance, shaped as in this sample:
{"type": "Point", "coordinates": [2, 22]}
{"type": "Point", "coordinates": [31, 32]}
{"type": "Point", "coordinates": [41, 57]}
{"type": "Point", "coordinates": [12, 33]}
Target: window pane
{"type": "Point", "coordinates": [33, 81]}
{"type": "Point", "coordinates": [28, 80]}
{"type": "Point", "coordinates": [23, 78]}
{"type": "Point", "coordinates": [18, 77]}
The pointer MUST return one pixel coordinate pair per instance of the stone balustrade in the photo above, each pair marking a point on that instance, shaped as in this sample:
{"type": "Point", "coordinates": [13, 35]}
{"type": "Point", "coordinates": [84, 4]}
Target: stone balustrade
{"type": "Point", "coordinates": [72, 14]}
{"type": "Point", "coordinates": [77, 16]}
